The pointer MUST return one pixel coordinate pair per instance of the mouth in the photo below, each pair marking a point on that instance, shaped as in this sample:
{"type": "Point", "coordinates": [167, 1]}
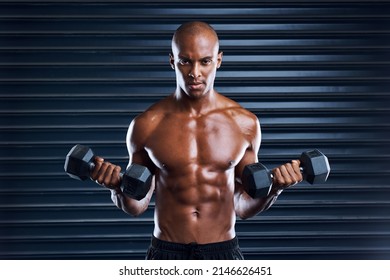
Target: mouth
{"type": "Point", "coordinates": [195, 85]}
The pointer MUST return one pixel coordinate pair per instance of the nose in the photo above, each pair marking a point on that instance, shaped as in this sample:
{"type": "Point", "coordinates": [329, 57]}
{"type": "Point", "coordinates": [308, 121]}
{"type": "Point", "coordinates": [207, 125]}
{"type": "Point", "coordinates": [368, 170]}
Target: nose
{"type": "Point", "coordinates": [195, 71]}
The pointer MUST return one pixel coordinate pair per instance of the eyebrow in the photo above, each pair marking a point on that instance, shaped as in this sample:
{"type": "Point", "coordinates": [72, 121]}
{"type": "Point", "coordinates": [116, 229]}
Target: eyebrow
{"type": "Point", "coordinates": [184, 57]}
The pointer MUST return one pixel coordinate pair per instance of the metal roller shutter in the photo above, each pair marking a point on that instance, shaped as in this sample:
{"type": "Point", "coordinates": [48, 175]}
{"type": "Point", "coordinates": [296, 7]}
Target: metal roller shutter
{"type": "Point", "coordinates": [316, 73]}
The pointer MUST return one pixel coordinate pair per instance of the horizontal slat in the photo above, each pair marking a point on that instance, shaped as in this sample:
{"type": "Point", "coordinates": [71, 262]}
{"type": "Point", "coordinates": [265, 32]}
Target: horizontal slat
{"type": "Point", "coordinates": [123, 73]}
{"type": "Point", "coordinates": [314, 103]}
{"type": "Point", "coordinates": [270, 151]}
{"type": "Point", "coordinates": [123, 227]}
{"type": "Point", "coordinates": [161, 43]}
{"type": "Point", "coordinates": [95, 211]}
{"type": "Point", "coordinates": [304, 195]}
{"type": "Point", "coordinates": [136, 26]}
{"type": "Point", "coordinates": [344, 244]}
{"type": "Point", "coordinates": [138, 58]}
{"type": "Point", "coordinates": [92, 244]}
{"type": "Point", "coordinates": [171, 10]}
{"type": "Point", "coordinates": [155, 91]}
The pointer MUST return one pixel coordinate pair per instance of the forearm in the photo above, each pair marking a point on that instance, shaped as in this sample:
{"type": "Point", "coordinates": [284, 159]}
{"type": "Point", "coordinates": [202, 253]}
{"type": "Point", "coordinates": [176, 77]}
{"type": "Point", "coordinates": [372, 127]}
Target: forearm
{"type": "Point", "coordinates": [284, 176]}
{"type": "Point", "coordinates": [131, 206]}
{"type": "Point", "coordinates": [271, 198]}
{"type": "Point", "coordinates": [247, 207]}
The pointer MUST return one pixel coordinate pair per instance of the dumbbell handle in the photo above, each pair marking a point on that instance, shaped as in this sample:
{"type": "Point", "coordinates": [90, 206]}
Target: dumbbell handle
{"type": "Point", "coordinates": [272, 174]}
{"type": "Point", "coordinates": [92, 165]}
{"type": "Point", "coordinates": [314, 166]}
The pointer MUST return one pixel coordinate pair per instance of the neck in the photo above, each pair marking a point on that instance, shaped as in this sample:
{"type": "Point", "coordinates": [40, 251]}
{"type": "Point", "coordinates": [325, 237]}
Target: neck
{"type": "Point", "coordinates": [196, 105]}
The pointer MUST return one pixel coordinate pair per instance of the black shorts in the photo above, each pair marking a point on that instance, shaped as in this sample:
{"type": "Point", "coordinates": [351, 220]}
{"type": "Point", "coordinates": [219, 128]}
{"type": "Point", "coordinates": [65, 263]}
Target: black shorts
{"type": "Point", "coordinates": [164, 250]}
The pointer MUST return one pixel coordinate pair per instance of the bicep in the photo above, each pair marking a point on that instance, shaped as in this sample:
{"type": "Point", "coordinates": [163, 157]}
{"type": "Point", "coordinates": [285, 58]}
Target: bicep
{"type": "Point", "coordinates": [137, 154]}
{"type": "Point", "coordinates": [135, 142]}
{"type": "Point", "coordinates": [251, 153]}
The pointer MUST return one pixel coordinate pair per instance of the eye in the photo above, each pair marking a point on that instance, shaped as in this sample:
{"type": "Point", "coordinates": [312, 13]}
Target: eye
{"type": "Point", "coordinates": [206, 61]}
{"type": "Point", "coordinates": [184, 61]}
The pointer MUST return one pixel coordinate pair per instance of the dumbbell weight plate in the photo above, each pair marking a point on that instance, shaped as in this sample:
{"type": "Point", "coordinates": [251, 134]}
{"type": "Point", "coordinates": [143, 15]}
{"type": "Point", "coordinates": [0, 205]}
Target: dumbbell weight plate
{"type": "Point", "coordinates": [79, 162]}
{"type": "Point", "coordinates": [315, 166]}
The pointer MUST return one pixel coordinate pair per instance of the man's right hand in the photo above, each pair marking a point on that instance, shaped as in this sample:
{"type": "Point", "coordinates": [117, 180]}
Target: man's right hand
{"type": "Point", "coordinates": [106, 174]}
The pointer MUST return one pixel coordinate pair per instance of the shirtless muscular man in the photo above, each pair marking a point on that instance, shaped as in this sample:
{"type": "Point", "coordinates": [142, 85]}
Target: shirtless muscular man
{"type": "Point", "coordinates": [196, 143]}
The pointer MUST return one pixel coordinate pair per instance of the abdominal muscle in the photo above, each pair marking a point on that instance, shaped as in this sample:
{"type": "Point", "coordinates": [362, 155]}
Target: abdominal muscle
{"type": "Point", "coordinates": [187, 212]}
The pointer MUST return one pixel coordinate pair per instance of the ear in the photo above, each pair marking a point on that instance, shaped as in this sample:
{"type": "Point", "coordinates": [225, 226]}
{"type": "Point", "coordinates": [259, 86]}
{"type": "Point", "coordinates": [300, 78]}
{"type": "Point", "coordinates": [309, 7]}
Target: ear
{"type": "Point", "coordinates": [172, 61]}
{"type": "Point", "coordinates": [219, 59]}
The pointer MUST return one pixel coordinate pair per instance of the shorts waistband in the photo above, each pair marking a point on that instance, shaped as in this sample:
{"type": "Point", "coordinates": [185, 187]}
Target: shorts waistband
{"type": "Point", "coordinates": [209, 247]}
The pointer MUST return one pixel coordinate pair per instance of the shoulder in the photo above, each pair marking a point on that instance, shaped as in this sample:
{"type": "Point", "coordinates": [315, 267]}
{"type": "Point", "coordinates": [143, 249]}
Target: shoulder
{"type": "Point", "coordinates": [246, 121]}
{"type": "Point", "coordinates": [153, 115]}
{"type": "Point", "coordinates": [145, 123]}
{"type": "Point", "coordinates": [244, 118]}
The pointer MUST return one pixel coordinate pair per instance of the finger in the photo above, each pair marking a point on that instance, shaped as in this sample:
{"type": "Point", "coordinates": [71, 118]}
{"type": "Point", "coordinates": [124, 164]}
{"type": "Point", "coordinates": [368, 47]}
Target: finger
{"type": "Point", "coordinates": [294, 174]}
{"type": "Point", "coordinates": [288, 174]}
{"type": "Point", "coordinates": [278, 177]}
{"type": "Point", "coordinates": [107, 179]}
{"type": "Point", "coordinates": [297, 169]}
{"type": "Point", "coordinates": [116, 176]}
{"type": "Point", "coordinates": [102, 172]}
{"type": "Point", "coordinates": [98, 161]}
{"type": "Point", "coordinates": [296, 162]}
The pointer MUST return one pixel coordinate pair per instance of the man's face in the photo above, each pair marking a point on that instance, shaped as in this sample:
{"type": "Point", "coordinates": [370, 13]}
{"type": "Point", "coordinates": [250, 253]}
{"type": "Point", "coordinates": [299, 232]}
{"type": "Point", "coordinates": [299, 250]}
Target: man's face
{"type": "Point", "coordinates": [195, 59]}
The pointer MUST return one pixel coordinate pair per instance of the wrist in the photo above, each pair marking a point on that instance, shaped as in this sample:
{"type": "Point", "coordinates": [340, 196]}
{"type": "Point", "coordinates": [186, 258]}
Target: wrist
{"type": "Point", "coordinates": [116, 190]}
{"type": "Point", "coordinates": [275, 190]}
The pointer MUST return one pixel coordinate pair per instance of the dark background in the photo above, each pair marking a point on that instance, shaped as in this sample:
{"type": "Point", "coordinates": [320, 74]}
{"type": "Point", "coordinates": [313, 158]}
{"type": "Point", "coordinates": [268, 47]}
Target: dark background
{"type": "Point", "coordinates": [316, 73]}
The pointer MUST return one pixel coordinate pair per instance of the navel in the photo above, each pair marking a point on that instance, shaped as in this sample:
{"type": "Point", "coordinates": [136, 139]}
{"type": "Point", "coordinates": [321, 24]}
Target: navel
{"type": "Point", "coordinates": [195, 214]}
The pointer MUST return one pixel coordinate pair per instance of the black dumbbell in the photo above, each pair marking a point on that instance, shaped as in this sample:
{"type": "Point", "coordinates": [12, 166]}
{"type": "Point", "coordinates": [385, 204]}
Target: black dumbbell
{"type": "Point", "coordinates": [258, 179]}
{"type": "Point", "coordinates": [136, 181]}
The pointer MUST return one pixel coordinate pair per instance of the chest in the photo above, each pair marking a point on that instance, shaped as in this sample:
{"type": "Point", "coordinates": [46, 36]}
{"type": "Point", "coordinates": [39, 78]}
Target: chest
{"type": "Point", "coordinates": [214, 140]}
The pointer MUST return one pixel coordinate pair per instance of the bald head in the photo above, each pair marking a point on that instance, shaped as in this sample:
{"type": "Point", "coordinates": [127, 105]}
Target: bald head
{"type": "Point", "coordinates": [195, 58]}
{"type": "Point", "coordinates": [194, 29]}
